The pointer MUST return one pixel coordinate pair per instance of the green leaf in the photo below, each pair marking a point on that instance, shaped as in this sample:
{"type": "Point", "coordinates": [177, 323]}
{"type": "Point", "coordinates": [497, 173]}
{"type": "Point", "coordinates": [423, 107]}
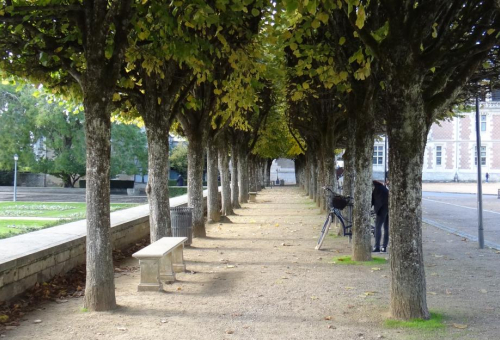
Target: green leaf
{"type": "Point", "coordinates": [433, 69]}
{"type": "Point", "coordinates": [434, 30]}
{"type": "Point", "coordinates": [360, 21]}
{"type": "Point", "coordinates": [255, 12]}
{"type": "Point", "coordinates": [490, 31]}
{"type": "Point", "coordinates": [315, 24]}
{"type": "Point", "coordinates": [293, 46]}
{"type": "Point", "coordinates": [342, 41]}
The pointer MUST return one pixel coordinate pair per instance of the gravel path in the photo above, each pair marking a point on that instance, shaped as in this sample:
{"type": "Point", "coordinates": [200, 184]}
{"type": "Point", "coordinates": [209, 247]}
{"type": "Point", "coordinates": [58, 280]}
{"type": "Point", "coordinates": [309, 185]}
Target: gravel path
{"type": "Point", "coordinates": [259, 277]}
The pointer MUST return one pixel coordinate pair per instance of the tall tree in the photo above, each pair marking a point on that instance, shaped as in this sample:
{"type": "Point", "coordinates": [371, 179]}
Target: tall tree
{"type": "Point", "coordinates": [428, 51]}
{"type": "Point", "coordinates": [83, 44]}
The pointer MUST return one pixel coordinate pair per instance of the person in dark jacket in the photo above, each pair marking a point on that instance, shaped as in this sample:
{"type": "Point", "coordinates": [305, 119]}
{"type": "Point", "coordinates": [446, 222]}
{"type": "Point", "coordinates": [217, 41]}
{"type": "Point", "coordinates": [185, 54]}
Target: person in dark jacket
{"type": "Point", "coordinates": [180, 181]}
{"type": "Point", "coordinates": [380, 202]}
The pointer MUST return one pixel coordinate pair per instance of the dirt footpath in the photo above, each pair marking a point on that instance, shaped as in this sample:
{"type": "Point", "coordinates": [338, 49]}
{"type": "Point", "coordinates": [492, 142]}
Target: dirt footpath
{"type": "Point", "coordinates": [259, 277]}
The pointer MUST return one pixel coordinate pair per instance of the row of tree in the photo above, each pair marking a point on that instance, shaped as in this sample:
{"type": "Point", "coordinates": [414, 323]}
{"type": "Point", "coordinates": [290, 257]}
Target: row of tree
{"type": "Point", "coordinates": [152, 61]}
{"type": "Point", "coordinates": [365, 67]}
{"type": "Point", "coordinates": [266, 78]}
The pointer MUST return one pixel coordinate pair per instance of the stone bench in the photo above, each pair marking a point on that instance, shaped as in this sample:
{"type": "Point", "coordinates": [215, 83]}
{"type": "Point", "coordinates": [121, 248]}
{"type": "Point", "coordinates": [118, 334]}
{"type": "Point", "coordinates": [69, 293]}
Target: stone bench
{"type": "Point", "coordinates": [160, 261]}
{"type": "Point", "coordinates": [252, 196]}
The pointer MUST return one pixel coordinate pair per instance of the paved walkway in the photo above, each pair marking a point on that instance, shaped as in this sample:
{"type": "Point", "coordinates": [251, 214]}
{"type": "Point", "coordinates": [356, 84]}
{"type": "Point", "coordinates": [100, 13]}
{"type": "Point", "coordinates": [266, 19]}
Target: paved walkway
{"type": "Point", "coordinates": [259, 277]}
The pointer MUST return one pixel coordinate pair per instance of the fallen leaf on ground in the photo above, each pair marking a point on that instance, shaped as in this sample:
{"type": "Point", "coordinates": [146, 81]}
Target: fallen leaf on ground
{"type": "Point", "coordinates": [484, 291]}
{"type": "Point", "coordinates": [121, 328]}
{"type": "Point", "coordinates": [460, 326]}
{"type": "Point", "coordinates": [230, 266]}
{"type": "Point", "coordinates": [314, 297]}
{"type": "Point", "coordinates": [37, 321]}
{"type": "Point", "coordinates": [331, 327]}
{"type": "Point", "coordinates": [438, 256]}
{"type": "Point", "coordinates": [329, 317]}
{"type": "Point", "coordinates": [179, 288]}
{"type": "Point", "coordinates": [229, 331]}
{"type": "Point", "coordinates": [433, 293]}
{"type": "Point", "coordinates": [163, 320]}
{"type": "Point", "coordinates": [347, 288]}
{"type": "Point", "coordinates": [376, 268]}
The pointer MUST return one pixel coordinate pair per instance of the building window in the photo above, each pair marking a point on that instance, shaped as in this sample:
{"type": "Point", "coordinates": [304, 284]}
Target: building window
{"type": "Point", "coordinates": [483, 122]}
{"type": "Point", "coordinates": [483, 155]}
{"type": "Point", "coordinates": [438, 155]}
{"type": "Point", "coordinates": [378, 155]}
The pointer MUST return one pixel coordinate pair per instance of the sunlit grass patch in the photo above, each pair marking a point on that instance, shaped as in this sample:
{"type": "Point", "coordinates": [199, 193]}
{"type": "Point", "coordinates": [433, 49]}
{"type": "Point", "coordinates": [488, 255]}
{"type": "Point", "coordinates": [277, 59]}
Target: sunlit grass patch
{"type": "Point", "coordinates": [347, 260]}
{"type": "Point", "coordinates": [434, 323]}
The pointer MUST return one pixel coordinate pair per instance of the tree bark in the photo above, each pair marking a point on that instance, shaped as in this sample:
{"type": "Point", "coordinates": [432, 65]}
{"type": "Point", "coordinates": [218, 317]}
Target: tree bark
{"type": "Point", "coordinates": [251, 174]}
{"type": "Point", "coordinates": [227, 207]}
{"type": "Point", "coordinates": [157, 128]}
{"type": "Point", "coordinates": [320, 197]}
{"type": "Point", "coordinates": [361, 234]}
{"type": "Point", "coordinates": [213, 206]}
{"type": "Point", "coordinates": [99, 287]}
{"type": "Point", "coordinates": [305, 174]}
{"type": "Point", "coordinates": [195, 184]}
{"type": "Point", "coordinates": [407, 129]}
{"type": "Point", "coordinates": [349, 168]}
{"type": "Point", "coordinates": [234, 177]}
{"type": "Point", "coordinates": [268, 172]}
{"type": "Point", "coordinates": [243, 176]}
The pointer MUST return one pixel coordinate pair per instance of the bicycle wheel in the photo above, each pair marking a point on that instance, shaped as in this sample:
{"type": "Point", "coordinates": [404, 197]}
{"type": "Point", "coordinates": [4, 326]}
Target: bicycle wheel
{"type": "Point", "coordinates": [324, 231]}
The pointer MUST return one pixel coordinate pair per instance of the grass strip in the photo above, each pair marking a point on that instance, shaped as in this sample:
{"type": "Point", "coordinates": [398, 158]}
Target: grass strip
{"type": "Point", "coordinates": [348, 261]}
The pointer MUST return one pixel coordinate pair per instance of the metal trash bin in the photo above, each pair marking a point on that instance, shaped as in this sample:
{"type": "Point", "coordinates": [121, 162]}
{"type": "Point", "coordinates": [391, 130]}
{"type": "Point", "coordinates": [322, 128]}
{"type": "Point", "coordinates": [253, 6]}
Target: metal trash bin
{"type": "Point", "coordinates": [182, 223]}
{"type": "Point", "coordinates": [282, 182]}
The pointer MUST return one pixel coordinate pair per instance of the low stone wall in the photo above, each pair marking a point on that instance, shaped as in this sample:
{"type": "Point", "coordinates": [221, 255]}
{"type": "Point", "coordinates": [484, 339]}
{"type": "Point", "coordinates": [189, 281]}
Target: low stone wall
{"type": "Point", "coordinates": [39, 256]}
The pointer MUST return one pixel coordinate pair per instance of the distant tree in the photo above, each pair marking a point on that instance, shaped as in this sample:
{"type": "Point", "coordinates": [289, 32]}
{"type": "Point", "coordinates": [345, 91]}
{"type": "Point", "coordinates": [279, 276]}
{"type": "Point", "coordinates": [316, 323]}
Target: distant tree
{"type": "Point", "coordinates": [58, 126]}
{"type": "Point", "coordinates": [16, 127]}
{"type": "Point", "coordinates": [179, 159]}
{"type": "Point", "coordinates": [129, 151]}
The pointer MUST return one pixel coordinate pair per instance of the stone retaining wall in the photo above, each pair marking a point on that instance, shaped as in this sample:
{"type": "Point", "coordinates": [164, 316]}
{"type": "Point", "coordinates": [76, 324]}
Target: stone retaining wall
{"type": "Point", "coordinates": [39, 256]}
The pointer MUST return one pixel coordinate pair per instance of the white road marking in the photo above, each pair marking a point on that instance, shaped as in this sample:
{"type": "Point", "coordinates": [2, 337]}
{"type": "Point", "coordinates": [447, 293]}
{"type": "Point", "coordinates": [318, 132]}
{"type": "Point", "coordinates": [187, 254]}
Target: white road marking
{"type": "Point", "coordinates": [460, 206]}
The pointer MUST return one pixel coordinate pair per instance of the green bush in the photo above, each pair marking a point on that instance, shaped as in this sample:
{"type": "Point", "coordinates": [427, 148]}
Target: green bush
{"type": "Point", "coordinates": [177, 191]}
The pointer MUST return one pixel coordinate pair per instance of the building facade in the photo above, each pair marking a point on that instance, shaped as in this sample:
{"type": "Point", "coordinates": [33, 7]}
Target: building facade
{"type": "Point", "coordinates": [450, 153]}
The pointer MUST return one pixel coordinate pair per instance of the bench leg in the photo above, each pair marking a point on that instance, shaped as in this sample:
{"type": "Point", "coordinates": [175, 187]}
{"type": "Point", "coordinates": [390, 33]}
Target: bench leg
{"type": "Point", "coordinates": [150, 274]}
{"type": "Point", "coordinates": [178, 259]}
{"type": "Point", "coordinates": [166, 272]}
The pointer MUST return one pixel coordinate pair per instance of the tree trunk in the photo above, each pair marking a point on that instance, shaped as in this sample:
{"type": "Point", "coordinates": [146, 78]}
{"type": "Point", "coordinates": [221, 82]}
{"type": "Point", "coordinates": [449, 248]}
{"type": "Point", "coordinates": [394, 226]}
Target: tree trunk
{"type": "Point", "coordinates": [251, 174]}
{"type": "Point", "coordinates": [227, 207]}
{"type": "Point", "coordinates": [100, 286]}
{"type": "Point", "coordinates": [305, 174]}
{"type": "Point", "coordinates": [195, 184]}
{"type": "Point", "coordinates": [361, 234]}
{"type": "Point", "coordinates": [320, 197]}
{"type": "Point", "coordinates": [157, 128]}
{"type": "Point", "coordinates": [243, 176]}
{"type": "Point", "coordinates": [349, 156]}
{"type": "Point", "coordinates": [407, 128]}
{"type": "Point", "coordinates": [268, 171]}
{"type": "Point", "coordinates": [234, 177]}
{"type": "Point", "coordinates": [213, 207]}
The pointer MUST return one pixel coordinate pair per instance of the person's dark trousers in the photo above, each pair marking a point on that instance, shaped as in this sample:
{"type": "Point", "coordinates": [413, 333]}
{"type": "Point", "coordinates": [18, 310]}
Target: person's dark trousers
{"type": "Point", "coordinates": [382, 218]}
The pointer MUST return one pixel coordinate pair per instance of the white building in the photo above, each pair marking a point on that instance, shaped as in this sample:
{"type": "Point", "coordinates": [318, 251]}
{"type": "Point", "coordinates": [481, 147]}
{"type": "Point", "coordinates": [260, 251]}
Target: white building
{"type": "Point", "coordinates": [450, 153]}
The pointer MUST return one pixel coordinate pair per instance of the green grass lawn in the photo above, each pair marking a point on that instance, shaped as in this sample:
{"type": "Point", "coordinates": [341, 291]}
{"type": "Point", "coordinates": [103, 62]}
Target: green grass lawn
{"type": "Point", "coordinates": [47, 209]}
{"type": "Point", "coordinates": [66, 211]}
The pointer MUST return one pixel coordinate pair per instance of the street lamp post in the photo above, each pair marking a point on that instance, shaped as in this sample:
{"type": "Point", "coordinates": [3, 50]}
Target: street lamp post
{"type": "Point", "coordinates": [16, 157]}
